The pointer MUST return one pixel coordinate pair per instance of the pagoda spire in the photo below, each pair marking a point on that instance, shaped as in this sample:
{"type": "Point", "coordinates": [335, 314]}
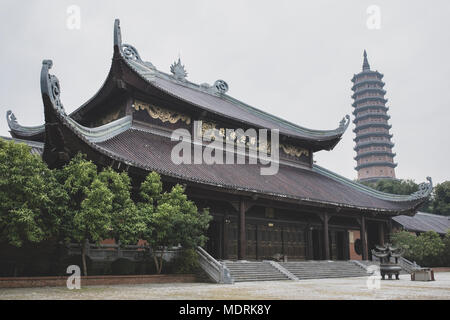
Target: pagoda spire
{"type": "Point", "coordinates": [366, 65]}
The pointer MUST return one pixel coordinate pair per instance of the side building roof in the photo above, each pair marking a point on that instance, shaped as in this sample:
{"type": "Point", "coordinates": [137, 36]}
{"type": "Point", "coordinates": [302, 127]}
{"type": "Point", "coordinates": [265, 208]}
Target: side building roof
{"type": "Point", "coordinates": [422, 222]}
{"type": "Point", "coordinates": [36, 147]}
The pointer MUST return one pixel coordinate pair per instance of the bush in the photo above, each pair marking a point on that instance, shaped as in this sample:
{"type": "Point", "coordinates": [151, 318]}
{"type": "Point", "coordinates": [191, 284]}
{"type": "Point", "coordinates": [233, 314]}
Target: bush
{"type": "Point", "coordinates": [430, 249]}
{"type": "Point", "coordinates": [185, 262]}
{"type": "Point", "coordinates": [446, 252]}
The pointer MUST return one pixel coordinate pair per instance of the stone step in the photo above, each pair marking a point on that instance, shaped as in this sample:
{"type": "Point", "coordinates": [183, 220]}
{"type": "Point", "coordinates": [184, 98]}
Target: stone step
{"type": "Point", "coordinates": [324, 269]}
{"type": "Point", "coordinates": [253, 271]}
{"type": "Point", "coordinates": [264, 271]}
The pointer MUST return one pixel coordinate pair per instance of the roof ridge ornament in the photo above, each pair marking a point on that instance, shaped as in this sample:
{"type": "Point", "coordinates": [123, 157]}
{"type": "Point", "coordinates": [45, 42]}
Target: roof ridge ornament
{"type": "Point", "coordinates": [178, 70]}
{"type": "Point", "coordinates": [126, 50]}
{"type": "Point", "coordinates": [130, 52]}
{"type": "Point", "coordinates": [12, 120]}
{"type": "Point", "coordinates": [424, 190]}
{"type": "Point", "coordinates": [50, 86]}
{"type": "Point", "coordinates": [117, 35]}
{"type": "Point", "coordinates": [343, 124]}
{"type": "Point", "coordinates": [221, 86]}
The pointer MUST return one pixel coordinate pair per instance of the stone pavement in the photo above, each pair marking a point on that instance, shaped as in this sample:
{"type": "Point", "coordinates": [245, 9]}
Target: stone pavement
{"type": "Point", "coordinates": [344, 288]}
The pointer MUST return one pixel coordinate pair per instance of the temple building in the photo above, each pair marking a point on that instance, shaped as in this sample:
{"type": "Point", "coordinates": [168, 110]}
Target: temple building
{"type": "Point", "coordinates": [303, 212]}
{"type": "Point", "coordinates": [375, 159]}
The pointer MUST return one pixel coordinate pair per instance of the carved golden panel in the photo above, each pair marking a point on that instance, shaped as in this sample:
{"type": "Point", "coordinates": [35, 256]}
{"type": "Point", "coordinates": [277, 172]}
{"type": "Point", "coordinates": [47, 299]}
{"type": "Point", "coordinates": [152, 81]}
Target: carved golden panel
{"type": "Point", "coordinates": [294, 151]}
{"type": "Point", "coordinates": [161, 114]}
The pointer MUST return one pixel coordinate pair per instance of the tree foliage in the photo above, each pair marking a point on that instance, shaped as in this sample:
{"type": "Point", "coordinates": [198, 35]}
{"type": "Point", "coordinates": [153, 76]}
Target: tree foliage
{"type": "Point", "coordinates": [440, 202]}
{"type": "Point", "coordinates": [88, 215]}
{"type": "Point", "coordinates": [171, 218]}
{"type": "Point", "coordinates": [427, 249]}
{"type": "Point", "coordinates": [126, 223]}
{"type": "Point", "coordinates": [79, 203]}
{"type": "Point", "coordinates": [393, 186]}
{"type": "Point", "coordinates": [31, 200]}
{"type": "Point", "coordinates": [446, 253]}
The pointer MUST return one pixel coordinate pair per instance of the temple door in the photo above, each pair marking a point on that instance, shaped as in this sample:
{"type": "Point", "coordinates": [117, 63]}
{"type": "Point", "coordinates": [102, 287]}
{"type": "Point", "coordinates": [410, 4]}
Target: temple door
{"type": "Point", "coordinates": [251, 241]}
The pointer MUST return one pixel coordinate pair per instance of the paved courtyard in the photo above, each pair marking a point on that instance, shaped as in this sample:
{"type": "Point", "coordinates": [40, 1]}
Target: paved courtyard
{"type": "Point", "coordinates": [346, 288]}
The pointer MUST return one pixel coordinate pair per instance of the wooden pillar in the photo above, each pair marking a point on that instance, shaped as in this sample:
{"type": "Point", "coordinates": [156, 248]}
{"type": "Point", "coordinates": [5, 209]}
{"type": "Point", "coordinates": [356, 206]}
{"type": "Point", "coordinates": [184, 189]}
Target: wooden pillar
{"type": "Point", "coordinates": [389, 227]}
{"type": "Point", "coordinates": [310, 242]}
{"type": "Point", "coordinates": [326, 240]}
{"type": "Point", "coordinates": [346, 245]}
{"type": "Point", "coordinates": [381, 233]}
{"type": "Point", "coordinates": [242, 238]}
{"type": "Point", "coordinates": [363, 232]}
{"type": "Point", "coordinates": [226, 222]}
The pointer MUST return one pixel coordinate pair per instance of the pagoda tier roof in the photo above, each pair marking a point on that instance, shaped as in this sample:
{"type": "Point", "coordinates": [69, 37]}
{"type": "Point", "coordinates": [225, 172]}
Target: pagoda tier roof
{"type": "Point", "coordinates": [372, 124]}
{"type": "Point", "coordinates": [372, 134]}
{"type": "Point", "coordinates": [388, 144]}
{"type": "Point", "coordinates": [212, 99]}
{"type": "Point", "coordinates": [368, 107]}
{"type": "Point", "coordinates": [370, 98]}
{"type": "Point", "coordinates": [365, 90]}
{"type": "Point", "coordinates": [375, 153]}
{"type": "Point", "coordinates": [376, 164]}
{"type": "Point", "coordinates": [367, 72]}
{"type": "Point", "coordinates": [140, 148]}
{"type": "Point", "coordinates": [367, 81]}
{"type": "Point", "coordinates": [372, 115]}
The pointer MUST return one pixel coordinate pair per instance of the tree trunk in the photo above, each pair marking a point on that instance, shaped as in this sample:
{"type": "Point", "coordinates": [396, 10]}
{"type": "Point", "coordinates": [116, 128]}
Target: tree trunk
{"type": "Point", "coordinates": [158, 261]}
{"type": "Point", "coordinates": [155, 258]}
{"type": "Point", "coordinates": [83, 258]}
{"type": "Point", "coordinates": [161, 262]}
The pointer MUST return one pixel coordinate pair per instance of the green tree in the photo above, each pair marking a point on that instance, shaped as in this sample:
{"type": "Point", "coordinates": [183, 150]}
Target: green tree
{"type": "Point", "coordinates": [31, 199]}
{"type": "Point", "coordinates": [88, 217]}
{"type": "Point", "coordinates": [403, 187]}
{"type": "Point", "coordinates": [426, 249]}
{"type": "Point", "coordinates": [440, 203]}
{"type": "Point", "coordinates": [430, 247]}
{"type": "Point", "coordinates": [408, 242]}
{"type": "Point", "coordinates": [126, 223]}
{"type": "Point", "coordinates": [446, 253]}
{"type": "Point", "coordinates": [171, 219]}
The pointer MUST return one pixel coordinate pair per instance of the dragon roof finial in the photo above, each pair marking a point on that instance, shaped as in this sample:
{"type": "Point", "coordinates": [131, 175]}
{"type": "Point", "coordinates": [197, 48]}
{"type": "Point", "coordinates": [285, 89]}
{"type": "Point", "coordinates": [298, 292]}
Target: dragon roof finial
{"type": "Point", "coordinates": [178, 70]}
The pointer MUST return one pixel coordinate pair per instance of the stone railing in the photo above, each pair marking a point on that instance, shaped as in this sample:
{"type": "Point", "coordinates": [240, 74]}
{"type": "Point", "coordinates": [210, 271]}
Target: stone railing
{"type": "Point", "coordinates": [406, 265]}
{"type": "Point", "coordinates": [213, 268]}
{"type": "Point", "coordinates": [111, 252]}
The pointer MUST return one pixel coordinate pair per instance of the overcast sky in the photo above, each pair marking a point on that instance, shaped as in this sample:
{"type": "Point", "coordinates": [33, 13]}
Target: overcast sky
{"type": "Point", "coordinates": [290, 58]}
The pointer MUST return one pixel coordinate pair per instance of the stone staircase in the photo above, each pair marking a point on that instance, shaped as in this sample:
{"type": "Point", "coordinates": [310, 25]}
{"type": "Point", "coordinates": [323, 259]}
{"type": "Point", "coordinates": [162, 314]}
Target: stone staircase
{"type": "Point", "coordinates": [323, 269]}
{"type": "Point", "coordinates": [296, 270]}
{"type": "Point", "coordinates": [242, 271]}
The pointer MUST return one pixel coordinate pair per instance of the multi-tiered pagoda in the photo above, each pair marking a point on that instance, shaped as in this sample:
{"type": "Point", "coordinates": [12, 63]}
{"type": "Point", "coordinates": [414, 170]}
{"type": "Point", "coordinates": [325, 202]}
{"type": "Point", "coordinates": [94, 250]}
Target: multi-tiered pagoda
{"type": "Point", "coordinates": [375, 159]}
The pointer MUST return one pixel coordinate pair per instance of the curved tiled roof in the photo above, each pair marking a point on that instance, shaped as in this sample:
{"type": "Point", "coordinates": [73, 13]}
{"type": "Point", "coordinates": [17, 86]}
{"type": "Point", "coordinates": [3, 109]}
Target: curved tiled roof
{"type": "Point", "coordinates": [140, 148]}
{"type": "Point", "coordinates": [34, 133]}
{"type": "Point", "coordinates": [205, 97]}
